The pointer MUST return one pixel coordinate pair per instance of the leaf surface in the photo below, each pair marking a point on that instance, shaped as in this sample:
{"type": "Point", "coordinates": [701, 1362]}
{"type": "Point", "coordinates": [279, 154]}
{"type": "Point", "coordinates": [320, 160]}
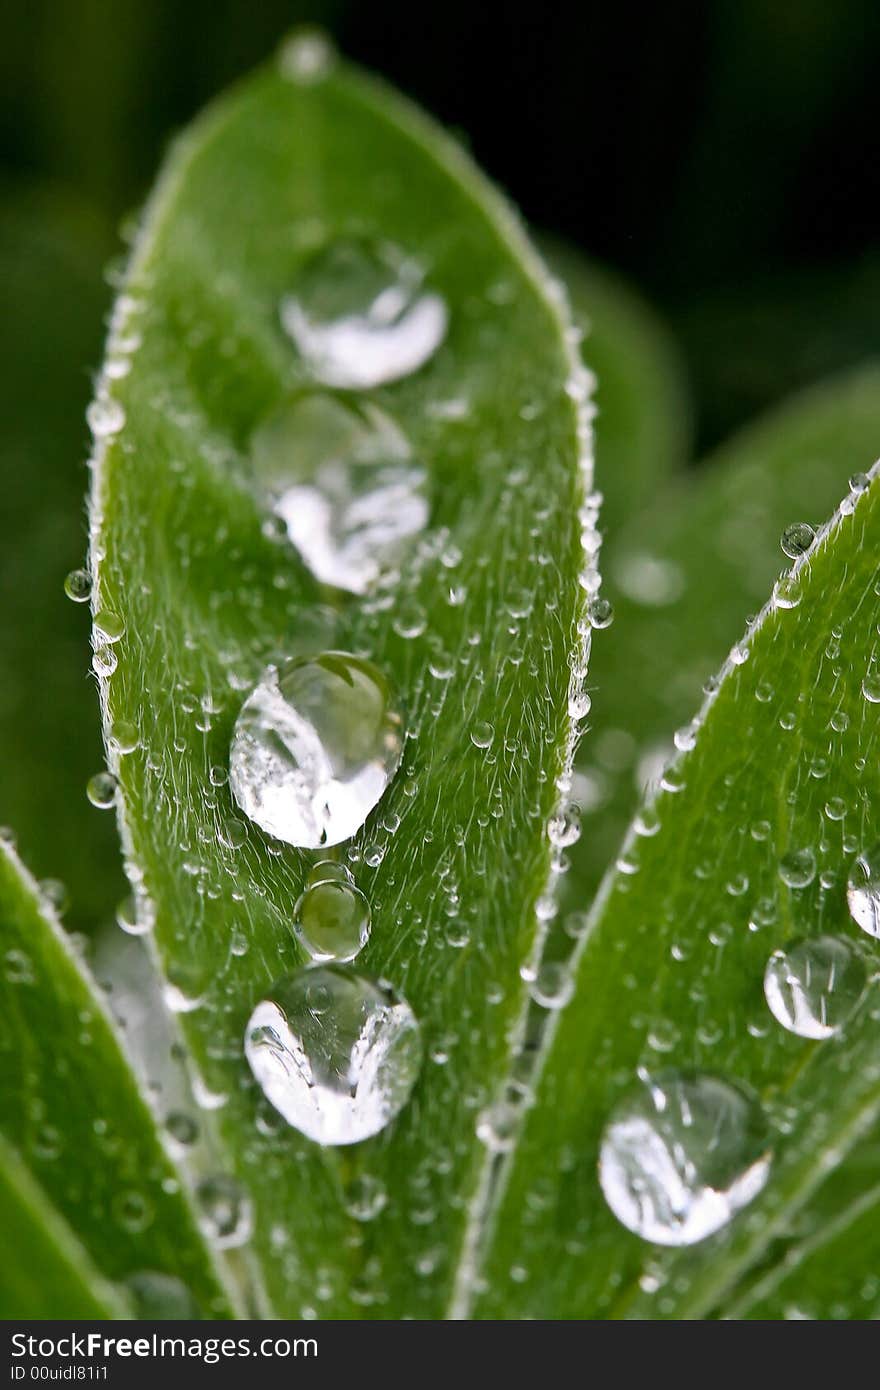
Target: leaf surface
{"type": "Point", "coordinates": [72, 1108]}
{"type": "Point", "coordinates": [670, 972]}
{"type": "Point", "coordinates": [456, 856]}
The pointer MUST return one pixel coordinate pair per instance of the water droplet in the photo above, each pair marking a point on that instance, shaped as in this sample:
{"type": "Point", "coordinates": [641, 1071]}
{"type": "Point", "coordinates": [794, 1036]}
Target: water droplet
{"type": "Point", "coordinates": [482, 734]}
{"type": "Point", "coordinates": [226, 1214]}
{"type": "Point", "coordinates": [161, 1297]}
{"type": "Point", "coordinates": [306, 57]}
{"type": "Point", "coordinates": [129, 920]}
{"type": "Point", "coordinates": [497, 1126]}
{"type": "Point", "coordinates": [332, 920]}
{"type": "Point", "coordinates": [863, 892]}
{"type": "Point", "coordinates": [105, 417]}
{"type": "Point", "coordinates": [600, 613]}
{"type": "Point", "coordinates": [54, 893]}
{"type": "Point", "coordinates": [315, 745]}
{"type": "Point", "coordinates": [108, 626]}
{"type": "Point", "coordinates": [365, 1198]}
{"type": "Point", "coordinates": [183, 1128]}
{"type": "Point", "coordinates": [104, 661]}
{"type": "Point", "coordinates": [133, 1212]}
{"type": "Point", "coordinates": [682, 1156]}
{"type": "Point", "coordinates": [101, 790]}
{"type": "Point", "coordinates": [812, 986]}
{"type": "Point", "coordinates": [553, 985]}
{"type": "Point", "coordinates": [787, 591]}
{"type": "Point", "coordinates": [341, 476]}
{"type": "Point", "coordinates": [871, 686]}
{"type": "Point", "coordinates": [360, 316]}
{"type": "Point", "coordinates": [78, 586]}
{"type": "Point", "coordinates": [797, 538]}
{"type": "Point", "coordinates": [328, 870]}
{"type": "Point", "coordinates": [797, 869]}
{"type": "Point", "coordinates": [336, 1053]}
{"type": "Point", "coordinates": [124, 737]}
{"type": "Point", "coordinates": [579, 705]}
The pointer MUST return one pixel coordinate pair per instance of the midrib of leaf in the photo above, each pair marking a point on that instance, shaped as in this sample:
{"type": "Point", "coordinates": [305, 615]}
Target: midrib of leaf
{"type": "Point", "coordinates": [444, 153]}
{"type": "Point", "coordinates": [710, 1269]}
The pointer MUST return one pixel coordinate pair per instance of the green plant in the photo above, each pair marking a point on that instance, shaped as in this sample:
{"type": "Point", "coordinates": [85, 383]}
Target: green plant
{"type": "Point", "coordinates": [536, 1017]}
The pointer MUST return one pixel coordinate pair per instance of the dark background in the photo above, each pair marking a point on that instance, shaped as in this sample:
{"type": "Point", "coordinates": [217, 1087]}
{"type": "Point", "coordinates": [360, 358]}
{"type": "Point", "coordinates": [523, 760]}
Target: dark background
{"type": "Point", "coordinates": [722, 155]}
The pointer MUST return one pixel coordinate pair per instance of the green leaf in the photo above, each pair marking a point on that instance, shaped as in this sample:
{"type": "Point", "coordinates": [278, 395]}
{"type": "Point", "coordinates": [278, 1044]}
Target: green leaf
{"type": "Point", "coordinates": [457, 855]}
{"type": "Point", "coordinates": [72, 1108]}
{"type": "Point", "coordinates": [670, 972]}
{"type": "Point", "coordinates": [52, 251]}
{"type": "Point", "coordinates": [684, 572]}
{"type": "Point", "coordinates": [50, 1275]}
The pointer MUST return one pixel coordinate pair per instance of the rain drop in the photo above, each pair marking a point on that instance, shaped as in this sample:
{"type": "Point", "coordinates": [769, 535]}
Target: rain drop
{"type": "Point", "coordinates": [797, 539]}
{"type": "Point", "coordinates": [863, 892]}
{"type": "Point", "coordinates": [341, 477]}
{"type": "Point", "coordinates": [315, 746]}
{"type": "Point", "coordinates": [332, 920]}
{"type": "Point", "coordinates": [813, 986]}
{"type": "Point", "coordinates": [682, 1156]}
{"type": "Point", "coordinates": [336, 1053]}
{"type": "Point", "coordinates": [360, 316]}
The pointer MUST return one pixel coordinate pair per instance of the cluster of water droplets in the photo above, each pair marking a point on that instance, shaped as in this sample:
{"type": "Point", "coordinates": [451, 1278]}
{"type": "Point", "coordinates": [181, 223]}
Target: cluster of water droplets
{"type": "Point", "coordinates": [685, 1151]}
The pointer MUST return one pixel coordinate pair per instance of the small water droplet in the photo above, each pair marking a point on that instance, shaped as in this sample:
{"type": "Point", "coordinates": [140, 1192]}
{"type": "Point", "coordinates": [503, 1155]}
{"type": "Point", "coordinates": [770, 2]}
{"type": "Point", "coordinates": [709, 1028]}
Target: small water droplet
{"type": "Point", "coordinates": [104, 661]}
{"type": "Point", "coordinates": [105, 417]}
{"type": "Point", "coordinates": [863, 892]}
{"type": "Point", "coordinates": [812, 986]}
{"type": "Point", "coordinates": [360, 316]}
{"type": "Point", "coordinates": [306, 57]}
{"type": "Point", "coordinates": [124, 737]}
{"type": "Point", "coordinates": [78, 586]}
{"type": "Point", "coordinates": [871, 686]}
{"type": "Point", "coordinates": [183, 1128]}
{"type": "Point", "coordinates": [787, 591]}
{"type": "Point", "coordinates": [680, 1157]}
{"type": "Point", "coordinates": [341, 476]}
{"type": "Point", "coordinates": [497, 1126]}
{"type": "Point", "coordinates": [482, 734]}
{"type": "Point", "coordinates": [600, 613]}
{"type": "Point", "coordinates": [553, 985]}
{"type": "Point", "coordinates": [332, 920]}
{"type": "Point", "coordinates": [365, 1198]}
{"type": "Point", "coordinates": [797, 869]}
{"type": "Point", "coordinates": [108, 626]}
{"type": "Point", "coordinates": [314, 748]}
{"type": "Point", "coordinates": [101, 790]}
{"type": "Point", "coordinates": [796, 539]}
{"type": "Point", "coordinates": [226, 1214]}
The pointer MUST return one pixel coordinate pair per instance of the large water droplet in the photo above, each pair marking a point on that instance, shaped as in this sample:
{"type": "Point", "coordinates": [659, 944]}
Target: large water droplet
{"type": "Point", "coordinates": [682, 1156]}
{"type": "Point", "coordinates": [332, 920]}
{"type": "Point", "coordinates": [361, 317]}
{"type": "Point", "coordinates": [863, 892]}
{"type": "Point", "coordinates": [315, 745]}
{"type": "Point", "coordinates": [812, 986]}
{"type": "Point", "coordinates": [341, 476]}
{"type": "Point", "coordinates": [335, 1052]}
